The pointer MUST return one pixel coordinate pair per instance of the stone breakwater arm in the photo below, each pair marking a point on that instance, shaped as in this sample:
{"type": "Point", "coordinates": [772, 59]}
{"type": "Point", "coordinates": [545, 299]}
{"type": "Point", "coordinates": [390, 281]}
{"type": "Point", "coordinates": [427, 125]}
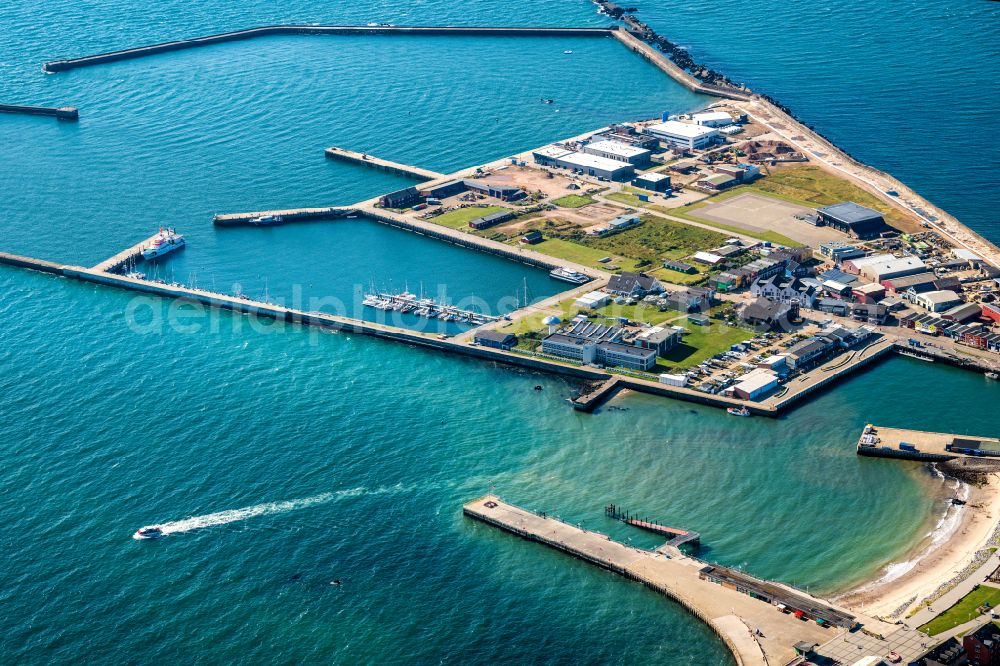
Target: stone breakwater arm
{"type": "Point", "coordinates": [62, 112]}
{"type": "Point", "coordinates": [267, 31]}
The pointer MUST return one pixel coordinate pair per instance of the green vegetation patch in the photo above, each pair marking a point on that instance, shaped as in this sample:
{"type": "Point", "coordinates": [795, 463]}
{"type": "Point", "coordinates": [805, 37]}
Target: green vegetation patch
{"type": "Point", "coordinates": [700, 343]}
{"type": "Point", "coordinates": [656, 239]}
{"type": "Point", "coordinates": [627, 198]}
{"type": "Point", "coordinates": [641, 312]}
{"type": "Point", "coordinates": [574, 201]}
{"type": "Point", "coordinates": [580, 254]}
{"type": "Point", "coordinates": [963, 611]}
{"type": "Point", "coordinates": [815, 187]}
{"type": "Point", "coordinates": [460, 218]}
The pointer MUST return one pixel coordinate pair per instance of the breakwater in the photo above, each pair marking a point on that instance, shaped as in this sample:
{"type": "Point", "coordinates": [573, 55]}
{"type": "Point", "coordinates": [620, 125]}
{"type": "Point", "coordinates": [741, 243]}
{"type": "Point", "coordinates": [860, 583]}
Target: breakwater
{"type": "Point", "coordinates": [279, 30]}
{"type": "Point", "coordinates": [62, 112]}
{"type": "Point", "coordinates": [364, 159]}
{"type": "Point", "coordinates": [289, 215]}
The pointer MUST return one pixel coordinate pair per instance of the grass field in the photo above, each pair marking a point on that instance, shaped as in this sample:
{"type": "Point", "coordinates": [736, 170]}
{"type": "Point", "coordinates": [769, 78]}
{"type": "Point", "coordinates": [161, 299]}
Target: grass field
{"type": "Point", "coordinates": [963, 611]}
{"type": "Point", "coordinates": [641, 312]}
{"type": "Point", "coordinates": [700, 343]}
{"type": "Point", "coordinates": [656, 239]}
{"type": "Point", "coordinates": [676, 277]}
{"type": "Point", "coordinates": [580, 254]}
{"type": "Point", "coordinates": [814, 187]}
{"type": "Point", "coordinates": [458, 219]}
{"type": "Point", "coordinates": [574, 201]}
{"type": "Point", "coordinates": [627, 198]}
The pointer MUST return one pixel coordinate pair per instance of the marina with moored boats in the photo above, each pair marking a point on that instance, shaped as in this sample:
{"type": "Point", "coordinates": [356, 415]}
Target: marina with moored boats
{"type": "Point", "coordinates": [407, 303]}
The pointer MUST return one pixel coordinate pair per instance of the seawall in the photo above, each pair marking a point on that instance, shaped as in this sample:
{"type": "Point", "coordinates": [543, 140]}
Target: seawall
{"type": "Point", "coordinates": [266, 31]}
{"type": "Point", "coordinates": [62, 112]}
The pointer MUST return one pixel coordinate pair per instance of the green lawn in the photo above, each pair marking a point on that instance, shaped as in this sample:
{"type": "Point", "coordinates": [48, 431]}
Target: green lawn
{"type": "Point", "coordinates": [963, 611]}
{"type": "Point", "coordinates": [574, 201]}
{"type": "Point", "coordinates": [640, 312]}
{"type": "Point", "coordinates": [458, 219]}
{"type": "Point", "coordinates": [701, 343]}
{"type": "Point", "coordinates": [656, 239]}
{"type": "Point", "coordinates": [676, 277]}
{"type": "Point", "coordinates": [627, 198]}
{"type": "Point", "coordinates": [580, 254]}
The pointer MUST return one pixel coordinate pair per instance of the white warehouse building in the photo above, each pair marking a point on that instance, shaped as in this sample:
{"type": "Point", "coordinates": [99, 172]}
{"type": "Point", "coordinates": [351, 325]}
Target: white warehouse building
{"type": "Point", "coordinates": [619, 151]}
{"type": "Point", "coordinates": [684, 135]}
{"type": "Point", "coordinates": [712, 118]}
{"type": "Point", "coordinates": [591, 165]}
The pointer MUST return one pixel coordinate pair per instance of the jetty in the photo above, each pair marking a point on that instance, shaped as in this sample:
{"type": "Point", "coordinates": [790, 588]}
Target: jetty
{"type": "Point", "coordinates": [129, 255]}
{"type": "Point", "coordinates": [920, 446]}
{"type": "Point", "coordinates": [761, 622]}
{"type": "Point", "coordinates": [287, 215]}
{"type": "Point", "coordinates": [589, 399]}
{"type": "Point", "coordinates": [676, 537]}
{"type": "Point", "coordinates": [408, 170]}
{"type": "Point", "coordinates": [62, 112]}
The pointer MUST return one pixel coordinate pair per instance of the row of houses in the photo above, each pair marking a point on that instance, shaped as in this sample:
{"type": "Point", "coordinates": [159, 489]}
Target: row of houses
{"type": "Point", "coordinates": [972, 335]}
{"type": "Point", "coordinates": [829, 341]}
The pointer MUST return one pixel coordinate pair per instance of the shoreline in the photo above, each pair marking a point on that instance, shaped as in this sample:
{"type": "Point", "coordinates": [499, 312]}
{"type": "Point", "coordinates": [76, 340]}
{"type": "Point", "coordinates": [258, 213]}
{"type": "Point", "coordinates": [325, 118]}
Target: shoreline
{"type": "Point", "coordinates": [943, 554]}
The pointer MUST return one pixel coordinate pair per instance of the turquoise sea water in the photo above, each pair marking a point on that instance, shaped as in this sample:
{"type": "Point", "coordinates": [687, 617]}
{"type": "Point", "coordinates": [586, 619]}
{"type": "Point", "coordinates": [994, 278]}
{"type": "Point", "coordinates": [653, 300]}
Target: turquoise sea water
{"type": "Point", "coordinates": [348, 458]}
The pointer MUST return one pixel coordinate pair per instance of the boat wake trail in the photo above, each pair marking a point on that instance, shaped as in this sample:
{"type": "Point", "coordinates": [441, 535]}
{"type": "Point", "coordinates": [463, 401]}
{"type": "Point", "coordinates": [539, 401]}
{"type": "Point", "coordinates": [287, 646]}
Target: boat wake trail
{"type": "Point", "coordinates": [266, 509]}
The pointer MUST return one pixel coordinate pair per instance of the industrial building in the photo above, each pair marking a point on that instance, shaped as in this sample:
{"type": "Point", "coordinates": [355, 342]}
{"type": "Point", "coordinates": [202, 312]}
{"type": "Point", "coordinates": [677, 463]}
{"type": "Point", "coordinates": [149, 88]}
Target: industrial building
{"type": "Point", "coordinates": [684, 135]}
{"type": "Point", "coordinates": [496, 340]}
{"type": "Point", "coordinates": [591, 165]}
{"type": "Point", "coordinates": [620, 223]}
{"type": "Point", "coordinates": [938, 301]}
{"type": "Point", "coordinates": [718, 182]}
{"type": "Point", "coordinates": [656, 182]}
{"type": "Point", "coordinates": [854, 219]}
{"type": "Point", "coordinates": [502, 192]}
{"type": "Point", "coordinates": [592, 300]}
{"type": "Point", "coordinates": [892, 267]}
{"type": "Point", "coordinates": [493, 219]}
{"type": "Point", "coordinates": [839, 251]}
{"type": "Point", "coordinates": [620, 152]}
{"type": "Point", "coordinates": [712, 119]}
{"type": "Point", "coordinates": [754, 384]}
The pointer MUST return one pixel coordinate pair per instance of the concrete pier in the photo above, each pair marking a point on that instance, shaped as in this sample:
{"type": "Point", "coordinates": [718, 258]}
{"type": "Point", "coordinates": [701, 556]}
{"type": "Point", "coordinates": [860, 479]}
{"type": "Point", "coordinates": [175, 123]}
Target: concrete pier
{"type": "Point", "coordinates": [62, 112]}
{"type": "Point", "coordinates": [732, 614]}
{"type": "Point", "coordinates": [589, 401]}
{"type": "Point", "coordinates": [423, 175]}
{"type": "Point", "coordinates": [30, 263]}
{"type": "Point", "coordinates": [921, 446]}
{"type": "Point", "coordinates": [133, 253]}
{"type": "Point", "coordinates": [268, 31]}
{"type": "Point", "coordinates": [288, 215]}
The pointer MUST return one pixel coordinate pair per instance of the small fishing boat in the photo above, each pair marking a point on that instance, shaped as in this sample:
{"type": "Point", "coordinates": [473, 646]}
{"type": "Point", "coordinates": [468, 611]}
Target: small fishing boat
{"type": "Point", "coordinates": [739, 411]}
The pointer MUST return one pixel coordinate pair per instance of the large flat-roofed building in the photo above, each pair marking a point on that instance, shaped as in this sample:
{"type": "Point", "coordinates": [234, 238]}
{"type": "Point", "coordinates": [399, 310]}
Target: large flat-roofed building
{"type": "Point", "coordinates": [657, 182]}
{"type": "Point", "coordinates": [684, 135]}
{"type": "Point", "coordinates": [661, 339]}
{"type": "Point", "coordinates": [840, 251]}
{"type": "Point", "coordinates": [893, 267]}
{"type": "Point", "coordinates": [619, 151]}
{"type": "Point", "coordinates": [496, 339]}
{"type": "Point", "coordinates": [712, 118]}
{"type": "Point", "coordinates": [495, 190]}
{"type": "Point", "coordinates": [938, 301]}
{"type": "Point", "coordinates": [854, 219]}
{"type": "Point", "coordinates": [591, 165]}
{"type": "Point", "coordinates": [755, 384]}
{"type": "Point", "coordinates": [590, 343]}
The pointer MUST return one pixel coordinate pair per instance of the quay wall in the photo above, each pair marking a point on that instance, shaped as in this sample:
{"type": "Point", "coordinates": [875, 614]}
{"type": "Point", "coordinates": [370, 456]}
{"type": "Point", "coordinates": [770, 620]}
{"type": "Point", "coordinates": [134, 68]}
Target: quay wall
{"type": "Point", "coordinates": [265, 31]}
{"type": "Point", "coordinates": [837, 374]}
{"type": "Point", "coordinates": [691, 395]}
{"type": "Point", "coordinates": [471, 242]}
{"type": "Point", "coordinates": [880, 452]}
{"type": "Point", "coordinates": [964, 362]}
{"type": "Point", "coordinates": [62, 113]}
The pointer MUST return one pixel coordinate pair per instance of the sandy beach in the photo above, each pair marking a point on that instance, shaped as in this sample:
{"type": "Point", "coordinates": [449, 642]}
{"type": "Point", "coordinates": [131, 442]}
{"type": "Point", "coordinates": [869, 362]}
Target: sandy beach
{"type": "Point", "coordinates": [934, 561]}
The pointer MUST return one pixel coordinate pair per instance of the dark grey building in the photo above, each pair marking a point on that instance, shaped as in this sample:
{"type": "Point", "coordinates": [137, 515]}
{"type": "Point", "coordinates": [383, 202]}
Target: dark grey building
{"type": "Point", "coordinates": [854, 219]}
